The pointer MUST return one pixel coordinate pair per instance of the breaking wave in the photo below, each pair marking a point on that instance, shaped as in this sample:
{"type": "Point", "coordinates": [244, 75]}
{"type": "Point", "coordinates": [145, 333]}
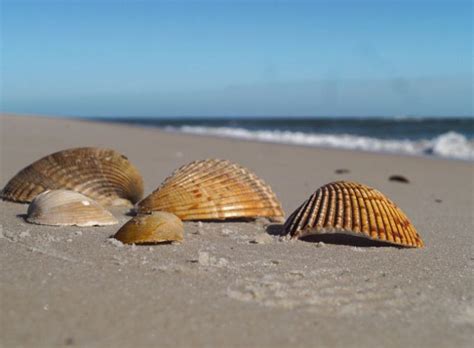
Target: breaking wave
{"type": "Point", "coordinates": [449, 145]}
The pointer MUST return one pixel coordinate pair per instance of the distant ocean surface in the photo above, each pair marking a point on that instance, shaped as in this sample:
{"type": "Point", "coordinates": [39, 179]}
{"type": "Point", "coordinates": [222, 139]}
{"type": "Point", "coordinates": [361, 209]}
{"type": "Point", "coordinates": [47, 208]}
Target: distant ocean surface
{"type": "Point", "coordinates": [441, 137]}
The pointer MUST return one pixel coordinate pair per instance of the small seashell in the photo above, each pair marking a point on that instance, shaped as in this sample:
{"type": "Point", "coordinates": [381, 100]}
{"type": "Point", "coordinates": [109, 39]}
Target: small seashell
{"type": "Point", "coordinates": [157, 227]}
{"type": "Point", "coordinates": [399, 178]}
{"type": "Point", "coordinates": [101, 174]}
{"type": "Point", "coordinates": [67, 208]}
{"type": "Point", "coordinates": [214, 189]}
{"type": "Point", "coordinates": [355, 209]}
{"type": "Point", "coordinates": [342, 171]}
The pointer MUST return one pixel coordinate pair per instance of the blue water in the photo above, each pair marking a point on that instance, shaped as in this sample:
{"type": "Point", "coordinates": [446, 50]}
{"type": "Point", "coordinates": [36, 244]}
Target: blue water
{"type": "Point", "coordinates": [444, 137]}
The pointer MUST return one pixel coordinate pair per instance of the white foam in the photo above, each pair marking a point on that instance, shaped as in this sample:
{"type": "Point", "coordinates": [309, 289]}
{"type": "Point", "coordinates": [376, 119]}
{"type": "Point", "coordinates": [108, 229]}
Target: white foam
{"type": "Point", "coordinates": [450, 144]}
{"type": "Point", "coordinates": [453, 145]}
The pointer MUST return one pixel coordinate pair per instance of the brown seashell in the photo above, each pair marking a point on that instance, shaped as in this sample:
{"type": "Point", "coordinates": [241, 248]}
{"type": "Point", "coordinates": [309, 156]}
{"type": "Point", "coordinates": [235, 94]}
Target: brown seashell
{"type": "Point", "coordinates": [101, 174]}
{"type": "Point", "coordinates": [67, 208]}
{"type": "Point", "coordinates": [157, 227]}
{"type": "Point", "coordinates": [355, 209]}
{"type": "Point", "coordinates": [214, 189]}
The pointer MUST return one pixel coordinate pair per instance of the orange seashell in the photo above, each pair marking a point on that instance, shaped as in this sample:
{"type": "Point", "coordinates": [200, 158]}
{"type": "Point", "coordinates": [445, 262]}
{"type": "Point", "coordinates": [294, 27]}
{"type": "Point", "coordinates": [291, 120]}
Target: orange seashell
{"type": "Point", "coordinates": [101, 174]}
{"type": "Point", "coordinates": [67, 208]}
{"type": "Point", "coordinates": [354, 209]}
{"type": "Point", "coordinates": [214, 189]}
{"type": "Point", "coordinates": [157, 227]}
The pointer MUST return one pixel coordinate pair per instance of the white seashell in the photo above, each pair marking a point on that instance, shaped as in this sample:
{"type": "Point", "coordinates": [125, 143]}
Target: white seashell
{"type": "Point", "coordinates": [66, 208]}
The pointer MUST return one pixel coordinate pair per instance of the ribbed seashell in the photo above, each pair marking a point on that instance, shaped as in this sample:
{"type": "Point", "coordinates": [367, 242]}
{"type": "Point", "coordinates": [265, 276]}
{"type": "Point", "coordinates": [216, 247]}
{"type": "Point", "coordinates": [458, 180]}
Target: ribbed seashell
{"type": "Point", "coordinates": [214, 189]}
{"type": "Point", "coordinates": [157, 227]}
{"type": "Point", "coordinates": [101, 174]}
{"type": "Point", "coordinates": [67, 208]}
{"type": "Point", "coordinates": [354, 209]}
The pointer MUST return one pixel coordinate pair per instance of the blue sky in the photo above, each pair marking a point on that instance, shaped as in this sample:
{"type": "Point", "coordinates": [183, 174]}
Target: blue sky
{"type": "Point", "coordinates": [237, 58]}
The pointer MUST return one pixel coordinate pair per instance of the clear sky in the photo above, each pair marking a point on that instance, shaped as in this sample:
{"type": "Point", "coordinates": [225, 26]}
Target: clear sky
{"type": "Point", "coordinates": [237, 58]}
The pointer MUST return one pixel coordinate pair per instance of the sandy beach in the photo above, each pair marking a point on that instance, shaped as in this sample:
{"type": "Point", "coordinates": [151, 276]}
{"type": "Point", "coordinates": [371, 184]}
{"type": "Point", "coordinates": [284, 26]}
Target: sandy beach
{"type": "Point", "coordinates": [234, 284]}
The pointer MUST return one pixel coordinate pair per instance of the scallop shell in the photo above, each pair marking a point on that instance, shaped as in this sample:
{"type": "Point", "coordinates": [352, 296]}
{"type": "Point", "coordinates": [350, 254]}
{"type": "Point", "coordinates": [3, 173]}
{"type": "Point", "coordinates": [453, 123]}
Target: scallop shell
{"type": "Point", "coordinates": [157, 227]}
{"type": "Point", "coordinates": [67, 208]}
{"type": "Point", "coordinates": [101, 174]}
{"type": "Point", "coordinates": [355, 209]}
{"type": "Point", "coordinates": [214, 189]}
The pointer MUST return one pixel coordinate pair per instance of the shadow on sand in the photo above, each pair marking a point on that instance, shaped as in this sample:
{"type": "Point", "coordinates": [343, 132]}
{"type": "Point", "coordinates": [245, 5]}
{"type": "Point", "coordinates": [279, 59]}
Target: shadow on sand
{"type": "Point", "coordinates": [334, 238]}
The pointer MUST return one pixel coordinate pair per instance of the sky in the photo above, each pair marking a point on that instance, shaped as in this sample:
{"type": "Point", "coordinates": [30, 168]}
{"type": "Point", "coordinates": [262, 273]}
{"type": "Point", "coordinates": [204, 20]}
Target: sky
{"type": "Point", "coordinates": [237, 58]}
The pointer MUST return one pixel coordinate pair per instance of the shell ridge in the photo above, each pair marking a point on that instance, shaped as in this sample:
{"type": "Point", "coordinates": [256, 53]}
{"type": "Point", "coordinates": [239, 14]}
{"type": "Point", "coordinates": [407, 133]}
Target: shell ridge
{"type": "Point", "coordinates": [314, 208]}
{"type": "Point", "coordinates": [332, 206]}
{"type": "Point", "coordinates": [347, 220]}
{"type": "Point", "coordinates": [324, 206]}
{"type": "Point", "coordinates": [187, 172]}
{"type": "Point", "coordinates": [396, 220]}
{"type": "Point", "coordinates": [386, 229]}
{"type": "Point", "coordinates": [355, 210]}
{"type": "Point", "coordinates": [224, 172]}
{"type": "Point", "coordinates": [222, 203]}
{"type": "Point", "coordinates": [364, 219]}
{"type": "Point", "coordinates": [400, 214]}
{"type": "Point", "coordinates": [221, 215]}
{"type": "Point", "coordinates": [203, 179]}
{"type": "Point", "coordinates": [288, 224]}
{"type": "Point", "coordinates": [307, 220]}
{"type": "Point", "coordinates": [373, 230]}
{"type": "Point", "coordinates": [393, 223]}
{"type": "Point", "coordinates": [297, 224]}
{"type": "Point", "coordinates": [381, 230]}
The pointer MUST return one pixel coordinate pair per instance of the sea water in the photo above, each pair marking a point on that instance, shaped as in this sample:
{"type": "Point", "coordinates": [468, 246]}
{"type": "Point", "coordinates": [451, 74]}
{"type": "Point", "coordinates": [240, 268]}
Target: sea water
{"type": "Point", "coordinates": [441, 137]}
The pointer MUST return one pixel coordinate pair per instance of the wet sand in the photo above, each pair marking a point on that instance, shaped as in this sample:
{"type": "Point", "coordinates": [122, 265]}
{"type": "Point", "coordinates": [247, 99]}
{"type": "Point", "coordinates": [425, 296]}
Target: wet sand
{"type": "Point", "coordinates": [235, 284]}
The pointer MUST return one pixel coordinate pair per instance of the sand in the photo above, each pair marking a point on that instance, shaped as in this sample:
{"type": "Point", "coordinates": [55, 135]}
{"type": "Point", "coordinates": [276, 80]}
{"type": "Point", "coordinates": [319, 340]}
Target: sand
{"type": "Point", "coordinates": [234, 284]}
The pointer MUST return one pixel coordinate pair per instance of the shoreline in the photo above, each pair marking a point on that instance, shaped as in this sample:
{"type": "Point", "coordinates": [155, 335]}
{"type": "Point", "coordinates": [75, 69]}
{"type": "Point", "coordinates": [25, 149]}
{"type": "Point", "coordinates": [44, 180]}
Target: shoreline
{"type": "Point", "coordinates": [117, 121]}
{"type": "Point", "coordinates": [232, 284]}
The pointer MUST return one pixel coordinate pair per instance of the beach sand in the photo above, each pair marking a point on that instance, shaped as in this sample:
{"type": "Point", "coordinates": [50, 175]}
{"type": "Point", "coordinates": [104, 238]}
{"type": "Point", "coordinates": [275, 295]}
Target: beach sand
{"type": "Point", "coordinates": [233, 284]}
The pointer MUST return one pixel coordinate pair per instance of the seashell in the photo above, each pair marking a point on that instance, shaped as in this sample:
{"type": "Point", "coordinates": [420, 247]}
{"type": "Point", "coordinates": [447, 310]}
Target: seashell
{"type": "Point", "coordinates": [354, 209]}
{"type": "Point", "coordinates": [101, 174]}
{"type": "Point", "coordinates": [157, 227]}
{"type": "Point", "coordinates": [399, 178]}
{"type": "Point", "coordinates": [67, 208]}
{"type": "Point", "coordinates": [214, 189]}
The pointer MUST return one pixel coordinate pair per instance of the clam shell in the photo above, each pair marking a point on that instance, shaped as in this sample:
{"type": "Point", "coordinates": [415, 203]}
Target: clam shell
{"type": "Point", "coordinates": [101, 174]}
{"type": "Point", "coordinates": [355, 209]}
{"type": "Point", "coordinates": [157, 227]}
{"type": "Point", "coordinates": [67, 208]}
{"type": "Point", "coordinates": [214, 189]}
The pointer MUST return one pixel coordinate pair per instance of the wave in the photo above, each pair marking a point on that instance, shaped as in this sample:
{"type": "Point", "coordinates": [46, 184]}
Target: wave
{"type": "Point", "coordinates": [448, 145]}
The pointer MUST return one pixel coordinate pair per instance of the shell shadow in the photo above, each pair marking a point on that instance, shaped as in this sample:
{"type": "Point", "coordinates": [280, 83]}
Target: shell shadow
{"type": "Point", "coordinates": [22, 216]}
{"type": "Point", "coordinates": [345, 239]}
{"type": "Point", "coordinates": [145, 243]}
{"type": "Point", "coordinates": [275, 229]}
{"type": "Point", "coordinates": [333, 238]}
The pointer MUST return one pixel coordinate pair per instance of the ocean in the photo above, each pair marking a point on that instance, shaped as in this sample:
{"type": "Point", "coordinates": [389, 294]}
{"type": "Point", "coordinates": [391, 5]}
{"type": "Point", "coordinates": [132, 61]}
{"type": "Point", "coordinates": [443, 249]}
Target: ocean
{"type": "Point", "coordinates": [439, 137]}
